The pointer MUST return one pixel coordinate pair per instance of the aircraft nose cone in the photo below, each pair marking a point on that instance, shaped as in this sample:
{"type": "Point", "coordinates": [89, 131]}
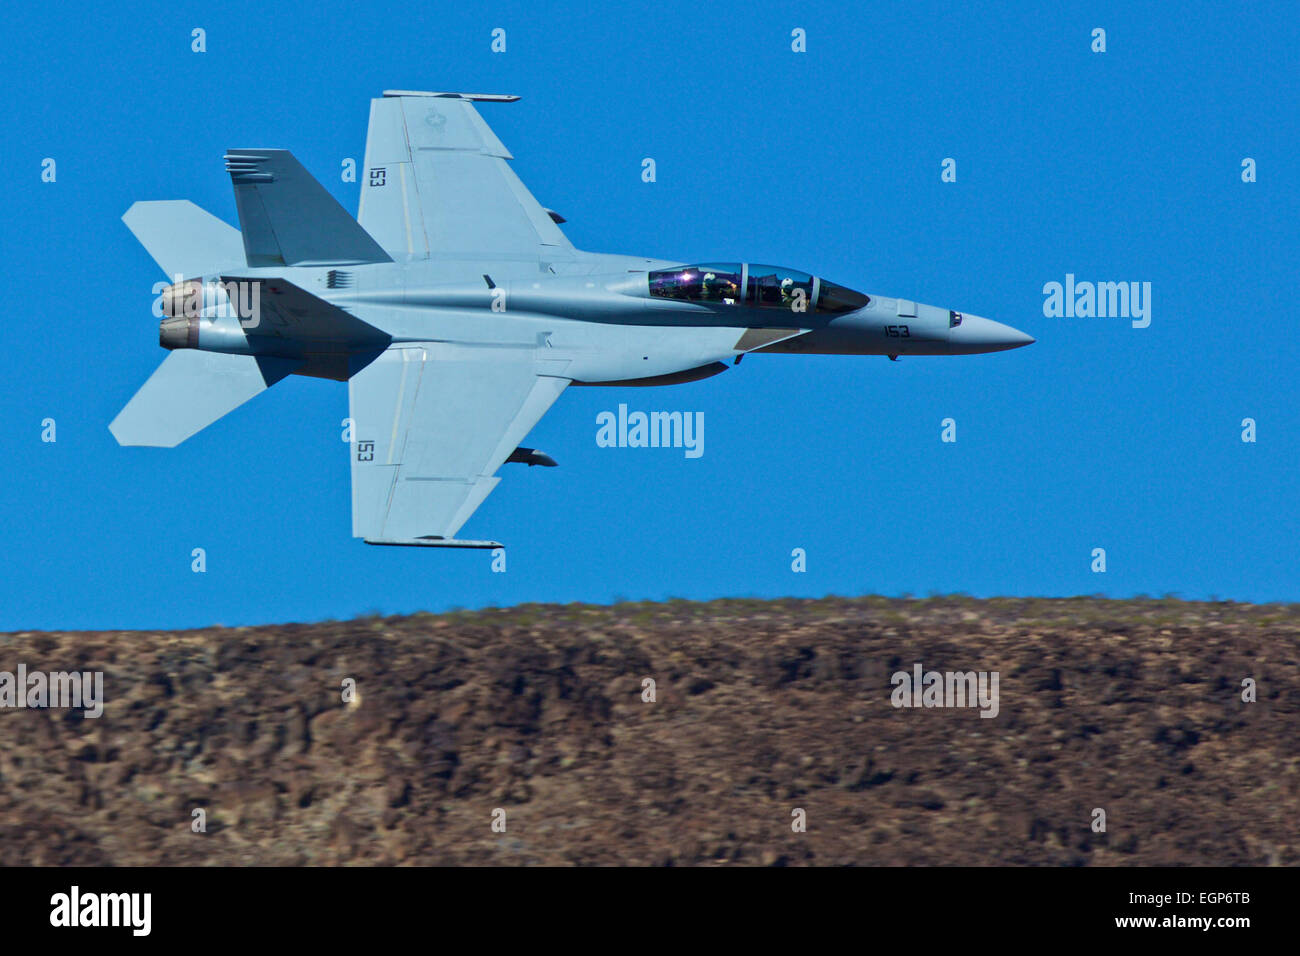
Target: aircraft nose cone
{"type": "Point", "coordinates": [976, 334]}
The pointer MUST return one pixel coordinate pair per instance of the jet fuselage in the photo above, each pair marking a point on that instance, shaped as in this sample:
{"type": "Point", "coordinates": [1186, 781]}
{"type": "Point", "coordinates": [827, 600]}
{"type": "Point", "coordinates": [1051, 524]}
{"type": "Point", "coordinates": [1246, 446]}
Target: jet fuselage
{"type": "Point", "coordinates": [596, 312]}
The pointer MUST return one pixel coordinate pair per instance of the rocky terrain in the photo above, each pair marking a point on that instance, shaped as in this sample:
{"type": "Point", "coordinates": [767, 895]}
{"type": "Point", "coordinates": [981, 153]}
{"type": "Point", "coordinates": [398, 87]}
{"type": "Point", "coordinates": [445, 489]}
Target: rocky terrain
{"type": "Point", "coordinates": [760, 709]}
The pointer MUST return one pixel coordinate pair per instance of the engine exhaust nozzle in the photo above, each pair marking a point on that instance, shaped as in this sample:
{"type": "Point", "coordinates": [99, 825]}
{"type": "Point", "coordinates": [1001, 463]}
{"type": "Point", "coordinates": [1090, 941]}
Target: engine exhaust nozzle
{"type": "Point", "coordinates": [182, 333]}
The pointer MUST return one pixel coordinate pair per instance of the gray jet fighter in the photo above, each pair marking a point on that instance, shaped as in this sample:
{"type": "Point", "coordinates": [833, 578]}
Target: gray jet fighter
{"type": "Point", "coordinates": [457, 312]}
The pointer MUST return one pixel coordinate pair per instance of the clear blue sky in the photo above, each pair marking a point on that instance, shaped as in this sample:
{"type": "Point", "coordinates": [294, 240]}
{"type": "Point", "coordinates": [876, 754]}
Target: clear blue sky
{"type": "Point", "coordinates": [1117, 166]}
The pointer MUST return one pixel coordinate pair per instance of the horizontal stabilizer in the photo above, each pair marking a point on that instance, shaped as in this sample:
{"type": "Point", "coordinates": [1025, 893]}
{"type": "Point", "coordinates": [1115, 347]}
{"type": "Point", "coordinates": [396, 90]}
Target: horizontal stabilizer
{"type": "Point", "coordinates": [189, 391]}
{"type": "Point", "coordinates": [288, 218]}
{"type": "Point", "coordinates": [183, 239]}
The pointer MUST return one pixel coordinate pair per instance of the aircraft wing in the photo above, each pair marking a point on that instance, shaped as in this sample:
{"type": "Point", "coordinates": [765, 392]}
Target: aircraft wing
{"type": "Point", "coordinates": [436, 181]}
{"type": "Point", "coordinates": [432, 422]}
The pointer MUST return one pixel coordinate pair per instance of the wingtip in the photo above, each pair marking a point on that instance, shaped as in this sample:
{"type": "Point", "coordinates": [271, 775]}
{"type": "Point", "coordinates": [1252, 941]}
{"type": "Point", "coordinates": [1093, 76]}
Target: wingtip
{"type": "Point", "coordinates": [474, 97]}
{"type": "Point", "coordinates": [432, 542]}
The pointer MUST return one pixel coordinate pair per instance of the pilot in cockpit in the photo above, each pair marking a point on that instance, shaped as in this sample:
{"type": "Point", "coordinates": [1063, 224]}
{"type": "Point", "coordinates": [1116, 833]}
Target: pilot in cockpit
{"type": "Point", "coordinates": [719, 290]}
{"type": "Point", "coordinates": [787, 291]}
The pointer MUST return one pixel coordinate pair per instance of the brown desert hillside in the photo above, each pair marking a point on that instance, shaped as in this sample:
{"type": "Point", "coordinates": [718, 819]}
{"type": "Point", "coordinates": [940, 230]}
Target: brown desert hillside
{"type": "Point", "coordinates": [762, 709]}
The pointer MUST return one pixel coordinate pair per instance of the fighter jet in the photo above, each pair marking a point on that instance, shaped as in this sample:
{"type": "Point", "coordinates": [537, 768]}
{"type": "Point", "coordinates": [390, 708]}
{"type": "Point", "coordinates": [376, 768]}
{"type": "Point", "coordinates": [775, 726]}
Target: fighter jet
{"type": "Point", "coordinates": [457, 312]}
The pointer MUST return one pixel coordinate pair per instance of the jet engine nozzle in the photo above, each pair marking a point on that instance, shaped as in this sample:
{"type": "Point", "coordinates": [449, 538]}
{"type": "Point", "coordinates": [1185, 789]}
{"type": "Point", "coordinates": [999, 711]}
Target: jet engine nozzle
{"type": "Point", "coordinates": [179, 333]}
{"type": "Point", "coordinates": [182, 299]}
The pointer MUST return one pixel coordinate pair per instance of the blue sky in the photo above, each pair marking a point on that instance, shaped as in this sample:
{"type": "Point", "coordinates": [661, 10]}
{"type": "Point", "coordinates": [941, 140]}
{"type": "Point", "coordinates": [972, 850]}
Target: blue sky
{"type": "Point", "coordinates": [1124, 165]}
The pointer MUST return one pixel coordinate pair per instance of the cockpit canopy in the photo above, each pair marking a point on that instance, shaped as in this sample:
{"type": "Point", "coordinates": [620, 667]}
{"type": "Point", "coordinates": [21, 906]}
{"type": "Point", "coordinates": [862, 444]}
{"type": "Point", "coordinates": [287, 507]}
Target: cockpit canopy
{"type": "Point", "coordinates": [754, 285]}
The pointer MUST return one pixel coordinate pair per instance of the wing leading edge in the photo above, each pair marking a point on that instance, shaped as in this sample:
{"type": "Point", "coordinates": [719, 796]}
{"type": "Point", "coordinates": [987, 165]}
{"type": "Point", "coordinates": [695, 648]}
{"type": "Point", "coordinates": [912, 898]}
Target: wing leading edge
{"type": "Point", "coordinates": [432, 422]}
